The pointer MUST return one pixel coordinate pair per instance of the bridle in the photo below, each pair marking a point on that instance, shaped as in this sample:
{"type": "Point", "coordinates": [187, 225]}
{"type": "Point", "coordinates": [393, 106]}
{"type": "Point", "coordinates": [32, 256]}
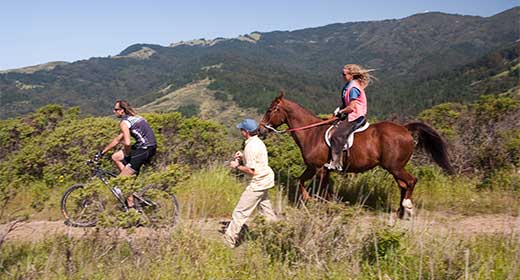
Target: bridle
{"type": "Point", "coordinates": [267, 125]}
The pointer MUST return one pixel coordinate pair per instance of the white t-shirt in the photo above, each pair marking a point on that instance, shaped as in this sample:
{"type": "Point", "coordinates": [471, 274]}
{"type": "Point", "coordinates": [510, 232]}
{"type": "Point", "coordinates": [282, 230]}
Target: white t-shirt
{"type": "Point", "coordinates": [255, 157]}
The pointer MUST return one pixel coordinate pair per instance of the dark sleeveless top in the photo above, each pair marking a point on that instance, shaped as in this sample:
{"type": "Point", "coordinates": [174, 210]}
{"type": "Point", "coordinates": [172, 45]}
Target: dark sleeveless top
{"type": "Point", "coordinates": [140, 131]}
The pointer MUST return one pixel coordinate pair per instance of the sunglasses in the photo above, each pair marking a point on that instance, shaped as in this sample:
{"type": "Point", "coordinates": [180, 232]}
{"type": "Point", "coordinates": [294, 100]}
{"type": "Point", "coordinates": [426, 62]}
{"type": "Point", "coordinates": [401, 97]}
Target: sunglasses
{"type": "Point", "coordinates": [115, 109]}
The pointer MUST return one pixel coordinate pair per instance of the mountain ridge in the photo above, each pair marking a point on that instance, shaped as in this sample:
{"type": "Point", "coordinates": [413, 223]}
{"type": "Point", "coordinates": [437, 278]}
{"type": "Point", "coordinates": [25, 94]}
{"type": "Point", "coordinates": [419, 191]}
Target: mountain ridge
{"type": "Point", "coordinates": [305, 61]}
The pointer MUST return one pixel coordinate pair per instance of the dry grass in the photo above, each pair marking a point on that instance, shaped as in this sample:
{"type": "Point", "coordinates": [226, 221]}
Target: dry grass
{"type": "Point", "coordinates": [226, 113]}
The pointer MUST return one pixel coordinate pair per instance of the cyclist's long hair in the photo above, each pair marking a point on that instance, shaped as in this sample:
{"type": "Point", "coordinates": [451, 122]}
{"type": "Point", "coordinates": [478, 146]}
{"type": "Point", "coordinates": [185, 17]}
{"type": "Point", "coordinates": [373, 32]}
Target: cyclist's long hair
{"type": "Point", "coordinates": [129, 110]}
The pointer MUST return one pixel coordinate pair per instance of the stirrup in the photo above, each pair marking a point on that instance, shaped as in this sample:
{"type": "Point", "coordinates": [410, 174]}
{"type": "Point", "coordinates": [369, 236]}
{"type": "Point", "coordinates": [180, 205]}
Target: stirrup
{"type": "Point", "coordinates": [332, 166]}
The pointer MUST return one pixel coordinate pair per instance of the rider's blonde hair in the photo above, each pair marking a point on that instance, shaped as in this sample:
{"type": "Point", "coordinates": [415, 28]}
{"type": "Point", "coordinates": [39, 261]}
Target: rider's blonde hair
{"type": "Point", "coordinates": [359, 73]}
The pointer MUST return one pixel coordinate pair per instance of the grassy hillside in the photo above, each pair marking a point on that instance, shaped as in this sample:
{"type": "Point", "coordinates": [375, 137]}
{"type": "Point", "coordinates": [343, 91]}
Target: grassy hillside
{"type": "Point", "coordinates": [196, 99]}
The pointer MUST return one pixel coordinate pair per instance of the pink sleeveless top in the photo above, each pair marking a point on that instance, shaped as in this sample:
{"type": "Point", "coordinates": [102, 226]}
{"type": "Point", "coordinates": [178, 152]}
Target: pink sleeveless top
{"type": "Point", "coordinates": [360, 104]}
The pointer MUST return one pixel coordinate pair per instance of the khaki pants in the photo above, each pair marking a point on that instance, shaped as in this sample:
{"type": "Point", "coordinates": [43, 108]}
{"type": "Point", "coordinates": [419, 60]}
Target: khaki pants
{"type": "Point", "coordinates": [249, 201]}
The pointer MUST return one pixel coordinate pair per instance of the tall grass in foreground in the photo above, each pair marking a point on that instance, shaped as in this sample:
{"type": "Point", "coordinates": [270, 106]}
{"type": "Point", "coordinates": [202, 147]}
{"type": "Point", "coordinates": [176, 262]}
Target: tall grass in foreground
{"type": "Point", "coordinates": [320, 241]}
{"type": "Point", "coordinates": [314, 241]}
{"type": "Point", "coordinates": [209, 193]}
{"type": "Point", "coordinates": [434, 191]}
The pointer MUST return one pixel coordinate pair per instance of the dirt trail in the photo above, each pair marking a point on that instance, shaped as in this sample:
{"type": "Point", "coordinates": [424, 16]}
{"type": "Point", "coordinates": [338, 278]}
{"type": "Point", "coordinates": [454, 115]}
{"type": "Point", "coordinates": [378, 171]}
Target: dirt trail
{"type": "Point", "coordinates": [425, 222]}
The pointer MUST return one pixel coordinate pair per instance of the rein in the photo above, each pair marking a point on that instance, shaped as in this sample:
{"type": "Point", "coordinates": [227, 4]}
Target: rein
{"type": "Point", "coordinates": [300, 128]}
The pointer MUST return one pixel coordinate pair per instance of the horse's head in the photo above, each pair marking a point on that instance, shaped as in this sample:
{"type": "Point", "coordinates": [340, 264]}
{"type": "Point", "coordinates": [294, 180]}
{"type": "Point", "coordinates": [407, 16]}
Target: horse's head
{"type": "Point", "coordinates": [274, 116]}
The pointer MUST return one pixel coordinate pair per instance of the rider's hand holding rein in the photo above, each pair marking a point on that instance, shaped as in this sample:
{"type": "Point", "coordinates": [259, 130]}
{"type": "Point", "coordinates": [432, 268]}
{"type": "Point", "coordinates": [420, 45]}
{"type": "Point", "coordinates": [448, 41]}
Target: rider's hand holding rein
{"type": "Point", "coordinates": [346, 110]}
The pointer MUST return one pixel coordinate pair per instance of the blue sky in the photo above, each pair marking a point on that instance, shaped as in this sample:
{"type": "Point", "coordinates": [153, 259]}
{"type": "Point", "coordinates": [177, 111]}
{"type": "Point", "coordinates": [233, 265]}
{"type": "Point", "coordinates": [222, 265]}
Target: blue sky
{"type": "Point", "coordinates": [39, 31]}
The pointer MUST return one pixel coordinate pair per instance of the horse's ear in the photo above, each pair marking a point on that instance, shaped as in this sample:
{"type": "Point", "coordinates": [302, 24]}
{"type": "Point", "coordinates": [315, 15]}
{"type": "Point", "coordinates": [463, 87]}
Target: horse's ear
{"type": "Point", "coordinates": [280, 96]}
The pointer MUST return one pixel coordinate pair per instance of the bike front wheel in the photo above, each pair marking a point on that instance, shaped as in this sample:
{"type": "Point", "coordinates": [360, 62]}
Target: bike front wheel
{"type": "Point", "coordinates": [81, 207]}
{"type": "Point", "coordinates": [159, 208]}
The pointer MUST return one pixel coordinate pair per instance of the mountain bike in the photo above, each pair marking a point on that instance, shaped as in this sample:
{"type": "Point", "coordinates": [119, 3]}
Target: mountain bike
{"type": "Point", "coordinates": [82, 205]}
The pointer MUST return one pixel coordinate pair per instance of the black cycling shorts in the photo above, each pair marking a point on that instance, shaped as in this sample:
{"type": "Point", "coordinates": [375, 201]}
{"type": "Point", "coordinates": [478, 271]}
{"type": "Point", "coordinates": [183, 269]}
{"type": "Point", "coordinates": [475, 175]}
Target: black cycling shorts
{"type": "Point", "coordinates": [138, 157]}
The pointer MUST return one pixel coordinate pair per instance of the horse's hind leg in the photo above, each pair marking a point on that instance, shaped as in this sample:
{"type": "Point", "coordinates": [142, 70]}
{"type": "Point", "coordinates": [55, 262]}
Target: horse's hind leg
{"type": "Point", "coordinates": [406, 183]}
{"type": "Point", "coordinates": [306, 175]}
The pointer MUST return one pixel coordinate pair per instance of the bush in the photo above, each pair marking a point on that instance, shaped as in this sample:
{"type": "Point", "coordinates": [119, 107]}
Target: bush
{"type": "Point", "coordinates": [483, 136]}
{"type": "Point", "coordinates": [319, 232]}
{"type": "Point", "coordinates": [191, 141]}
{"type": "Point", "coordinates": [189, 110]}
{"type": "Point", "coordinates": [504, 180]}
{"type": "Point", "coordinates": [383, 242]}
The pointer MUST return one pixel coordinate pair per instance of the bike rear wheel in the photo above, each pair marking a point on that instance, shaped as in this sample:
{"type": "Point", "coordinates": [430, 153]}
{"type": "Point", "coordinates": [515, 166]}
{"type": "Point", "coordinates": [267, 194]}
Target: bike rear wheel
{"type": "Point", "coordinates": [158, 207]}
{"type": "Point", "coordinates": [80, 207]}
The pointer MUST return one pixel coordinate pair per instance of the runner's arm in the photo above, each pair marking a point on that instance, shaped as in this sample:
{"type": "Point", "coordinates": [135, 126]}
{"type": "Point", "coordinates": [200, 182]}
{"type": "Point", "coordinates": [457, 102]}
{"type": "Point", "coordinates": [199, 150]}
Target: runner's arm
{"type": "Point", "coordinates": [235, 164]}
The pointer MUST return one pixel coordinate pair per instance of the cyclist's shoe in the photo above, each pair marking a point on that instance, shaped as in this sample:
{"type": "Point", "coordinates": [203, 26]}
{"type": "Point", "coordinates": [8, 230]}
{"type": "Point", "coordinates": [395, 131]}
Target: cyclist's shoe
{"type": "Point", "coordinates": [130, 202]}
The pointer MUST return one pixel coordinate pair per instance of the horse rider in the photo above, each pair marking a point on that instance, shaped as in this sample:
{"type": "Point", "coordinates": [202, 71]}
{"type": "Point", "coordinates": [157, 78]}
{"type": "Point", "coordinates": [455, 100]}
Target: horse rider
{"type": "Point", "coordinates": [352, 113]}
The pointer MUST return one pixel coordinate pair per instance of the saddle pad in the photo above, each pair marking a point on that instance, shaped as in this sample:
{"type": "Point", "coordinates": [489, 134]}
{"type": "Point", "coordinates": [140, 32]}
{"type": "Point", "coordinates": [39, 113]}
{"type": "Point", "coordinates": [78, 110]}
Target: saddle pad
{"type": "Point", "coordinates": [350, 139]}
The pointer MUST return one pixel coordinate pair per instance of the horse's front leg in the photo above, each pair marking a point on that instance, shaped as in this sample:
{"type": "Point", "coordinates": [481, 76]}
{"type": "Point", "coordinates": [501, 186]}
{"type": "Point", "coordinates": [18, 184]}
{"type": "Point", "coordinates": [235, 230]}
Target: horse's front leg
{"type": "Point", "coordinates": [306, 175]}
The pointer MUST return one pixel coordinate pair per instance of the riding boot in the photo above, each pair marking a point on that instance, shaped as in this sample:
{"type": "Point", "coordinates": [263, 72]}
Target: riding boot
{"type": "Point", "coordinates": [335, 163]}
{"type": "Point", "coordinates": [338, 141]}
{"type": "Point", "coordinates": [344, 159]}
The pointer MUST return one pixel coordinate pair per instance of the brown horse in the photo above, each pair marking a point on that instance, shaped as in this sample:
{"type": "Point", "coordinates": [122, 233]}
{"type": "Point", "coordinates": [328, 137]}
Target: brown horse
{"type": "Point", "coordinates": [384, 144]}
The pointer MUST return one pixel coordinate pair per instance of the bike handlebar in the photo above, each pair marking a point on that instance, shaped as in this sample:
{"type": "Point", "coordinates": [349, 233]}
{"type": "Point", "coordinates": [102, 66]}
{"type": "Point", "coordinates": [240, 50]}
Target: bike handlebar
{"type": "Point", "coordinates": [91, 162]}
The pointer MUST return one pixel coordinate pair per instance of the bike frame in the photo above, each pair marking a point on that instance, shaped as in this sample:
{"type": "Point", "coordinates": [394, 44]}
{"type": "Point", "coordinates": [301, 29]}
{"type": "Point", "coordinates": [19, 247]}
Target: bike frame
{"type": "Point", "coordinates": [102, 175]}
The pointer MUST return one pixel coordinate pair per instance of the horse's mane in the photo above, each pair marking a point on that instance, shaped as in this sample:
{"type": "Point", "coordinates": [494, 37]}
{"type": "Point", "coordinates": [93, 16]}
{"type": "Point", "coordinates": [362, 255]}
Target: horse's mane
{"type": "Point", "coordinates": [307, 111]}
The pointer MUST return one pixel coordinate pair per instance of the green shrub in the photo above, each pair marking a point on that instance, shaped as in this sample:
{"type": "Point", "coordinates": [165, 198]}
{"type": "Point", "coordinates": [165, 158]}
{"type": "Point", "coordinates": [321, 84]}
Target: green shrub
{"type": "Point", "coordinates": [319, 232]}
{"type": "Point", "coordinates": [382, 243]}
{"type": "Point", "coordinates": [503, 180]}
{"type": "Point", "coordinates": [191, 141]}
{"type": "Point", "coordinates": [189, 110]}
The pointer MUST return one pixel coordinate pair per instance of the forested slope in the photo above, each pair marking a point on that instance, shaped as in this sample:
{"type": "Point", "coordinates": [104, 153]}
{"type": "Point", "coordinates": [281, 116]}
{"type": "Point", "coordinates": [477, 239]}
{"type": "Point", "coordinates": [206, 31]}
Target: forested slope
{"type": "Point", "coordinates": [407, 54]}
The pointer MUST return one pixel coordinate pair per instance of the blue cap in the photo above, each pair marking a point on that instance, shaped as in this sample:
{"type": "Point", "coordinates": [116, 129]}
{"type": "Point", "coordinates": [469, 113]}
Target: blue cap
{"type": "Point", "coordinates": [248, 124]}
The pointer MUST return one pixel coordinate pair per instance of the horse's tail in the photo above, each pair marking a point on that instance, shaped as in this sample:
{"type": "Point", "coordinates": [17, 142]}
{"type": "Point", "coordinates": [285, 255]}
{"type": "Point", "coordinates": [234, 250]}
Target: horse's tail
{"type": "Point", "coordinates": [431, 141]}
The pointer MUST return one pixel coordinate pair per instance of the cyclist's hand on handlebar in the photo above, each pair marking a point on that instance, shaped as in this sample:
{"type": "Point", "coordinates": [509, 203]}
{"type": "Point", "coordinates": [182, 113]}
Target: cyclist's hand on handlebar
{"type": "Point", "coordinates": [99, 155]}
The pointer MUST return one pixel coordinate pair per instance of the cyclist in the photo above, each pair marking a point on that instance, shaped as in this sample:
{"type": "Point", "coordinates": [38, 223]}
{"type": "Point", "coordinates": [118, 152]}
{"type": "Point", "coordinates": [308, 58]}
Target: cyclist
{"type": "Point", "coordinates": [130, 159]}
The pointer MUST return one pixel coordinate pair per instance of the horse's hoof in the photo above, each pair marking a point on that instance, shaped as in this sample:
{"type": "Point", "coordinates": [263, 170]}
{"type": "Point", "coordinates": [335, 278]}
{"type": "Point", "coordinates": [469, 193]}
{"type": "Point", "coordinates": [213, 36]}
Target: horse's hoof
{"type": "Point", "coordinates": [407, 203]}
{"type": "Point", "coordinates": [408, 214]}
{"type": "Point", "coordinates": [404, 213]}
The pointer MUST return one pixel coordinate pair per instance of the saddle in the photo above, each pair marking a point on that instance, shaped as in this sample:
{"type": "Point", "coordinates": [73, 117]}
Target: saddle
{"type": "Point", "coordinates": [350, 139]}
